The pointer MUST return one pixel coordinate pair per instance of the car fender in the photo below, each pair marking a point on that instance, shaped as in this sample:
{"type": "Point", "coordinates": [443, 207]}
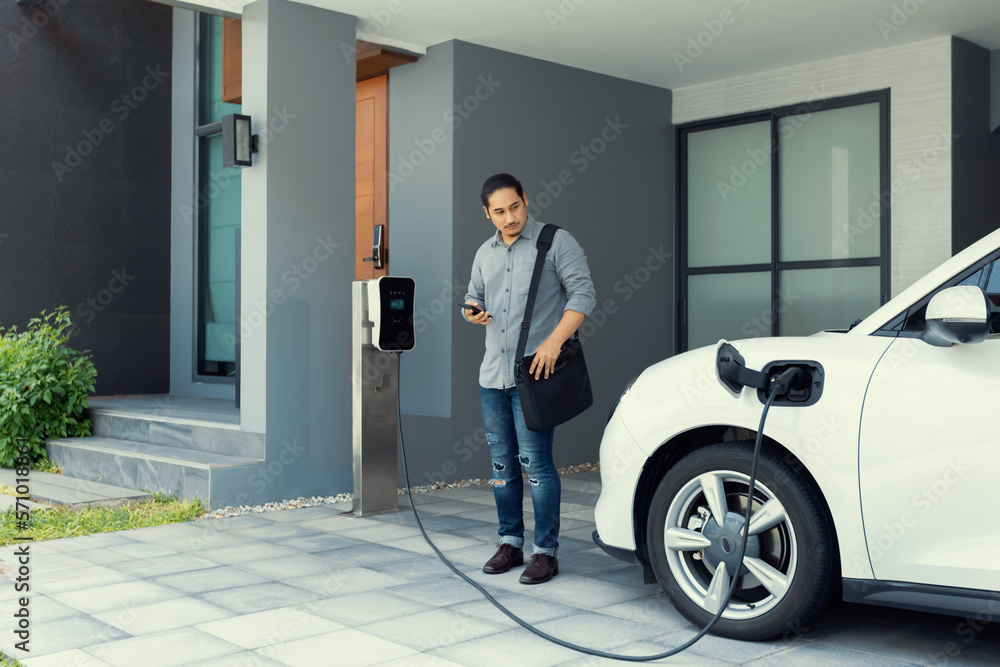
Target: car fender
{"type": "Point", "coordinates": [683, 393]}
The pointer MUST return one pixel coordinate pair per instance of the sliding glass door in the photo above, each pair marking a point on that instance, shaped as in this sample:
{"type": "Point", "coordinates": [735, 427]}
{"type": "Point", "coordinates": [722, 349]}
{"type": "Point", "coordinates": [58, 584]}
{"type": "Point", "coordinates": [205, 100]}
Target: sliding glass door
{"type": "Point", "coordinates": [784, 227]}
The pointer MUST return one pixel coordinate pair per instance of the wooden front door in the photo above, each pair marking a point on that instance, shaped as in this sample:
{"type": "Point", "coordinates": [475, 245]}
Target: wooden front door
{"type": "Point", "coordinates": [371, 199]}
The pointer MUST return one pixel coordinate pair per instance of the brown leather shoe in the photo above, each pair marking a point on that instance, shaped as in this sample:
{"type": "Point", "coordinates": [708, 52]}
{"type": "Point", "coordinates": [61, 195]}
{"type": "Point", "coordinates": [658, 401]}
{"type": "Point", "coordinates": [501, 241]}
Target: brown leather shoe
{"type": "Point", "coordinates": [541, 568]}
{"type": "Point", "coordinates": [506, 557]}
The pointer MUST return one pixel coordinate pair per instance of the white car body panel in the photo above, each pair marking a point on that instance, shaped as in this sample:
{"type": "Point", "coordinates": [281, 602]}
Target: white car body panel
{"type": "Point", "coordinates": [828, 447]}
{"type": "Point", "coordinates": [926, 481]}
{"type": "Point", "coordinates": [621, 465]}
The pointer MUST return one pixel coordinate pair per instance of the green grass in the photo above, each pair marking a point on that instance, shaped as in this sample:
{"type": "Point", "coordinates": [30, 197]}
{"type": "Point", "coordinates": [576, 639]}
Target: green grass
{"type": "Point", "coordinates": [7, 661]}
{"type": "Point", "coordinates": [45, 465]}
{"type": "Point", "coordinates": [56, 522]}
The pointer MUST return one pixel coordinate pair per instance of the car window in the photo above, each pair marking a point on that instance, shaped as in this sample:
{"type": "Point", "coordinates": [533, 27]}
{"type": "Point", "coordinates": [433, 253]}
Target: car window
{"type": "Point", "coordinates": [993, 284]}
{"type": "Point", "coordinates": [985, 275]}
{"type": "Point", "coordinates": [993, 293]}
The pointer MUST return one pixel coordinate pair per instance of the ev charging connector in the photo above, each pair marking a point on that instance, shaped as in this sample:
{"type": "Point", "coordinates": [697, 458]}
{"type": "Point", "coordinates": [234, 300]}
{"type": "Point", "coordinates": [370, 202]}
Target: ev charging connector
{"type": "Point", "coordinates": [793, 383]}
{"type": "Point", "coordinates": [382, 328]}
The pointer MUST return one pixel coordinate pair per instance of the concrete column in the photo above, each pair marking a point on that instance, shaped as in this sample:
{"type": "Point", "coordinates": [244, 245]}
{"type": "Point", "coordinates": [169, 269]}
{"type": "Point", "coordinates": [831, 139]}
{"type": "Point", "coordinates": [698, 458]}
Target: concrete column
{"type": "Point", "coordinates": [298, 246]}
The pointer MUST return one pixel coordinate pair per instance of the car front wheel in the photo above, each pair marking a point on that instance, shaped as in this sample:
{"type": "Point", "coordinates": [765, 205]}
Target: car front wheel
{"type": "Point", "coordinates": [694, 532]}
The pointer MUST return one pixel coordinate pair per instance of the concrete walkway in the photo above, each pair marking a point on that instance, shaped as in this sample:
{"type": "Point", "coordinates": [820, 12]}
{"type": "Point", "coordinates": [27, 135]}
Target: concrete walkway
{"type": "Point", "coordinates": [317, 587]}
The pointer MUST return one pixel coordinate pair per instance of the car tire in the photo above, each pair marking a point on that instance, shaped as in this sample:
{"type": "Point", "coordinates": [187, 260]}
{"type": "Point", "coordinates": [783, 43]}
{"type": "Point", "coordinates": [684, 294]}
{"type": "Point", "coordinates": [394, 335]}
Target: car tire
{"type": "Point", "coordinates": [787, 574]}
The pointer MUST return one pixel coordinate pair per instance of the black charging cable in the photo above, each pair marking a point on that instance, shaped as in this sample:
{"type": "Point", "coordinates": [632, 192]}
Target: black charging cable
{"type": "Point", "coordinates": [778, 386]}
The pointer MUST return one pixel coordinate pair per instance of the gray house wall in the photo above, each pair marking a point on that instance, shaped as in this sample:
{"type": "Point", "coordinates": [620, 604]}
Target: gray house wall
{"type": "Point", "coordinates": [85, 106]}
{"type": "Point", "coordinates": [297, 251]}
{"type": "Point", "coordinates": [421, 144]}
{"type": "Point", "coordinates": [595, 155]}
{"type": "Point", "coordinates": [975, 172]}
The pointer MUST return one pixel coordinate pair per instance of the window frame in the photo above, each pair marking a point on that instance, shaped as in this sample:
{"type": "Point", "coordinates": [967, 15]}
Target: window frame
{"type": "Point", "coordinates": [201, 130]}
{"type": "Point", "coordinates": [776, 267]}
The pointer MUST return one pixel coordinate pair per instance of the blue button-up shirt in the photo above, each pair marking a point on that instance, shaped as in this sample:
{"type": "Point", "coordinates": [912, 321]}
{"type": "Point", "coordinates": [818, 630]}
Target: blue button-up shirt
{"type": "Point", "coordinates": [501, 276]}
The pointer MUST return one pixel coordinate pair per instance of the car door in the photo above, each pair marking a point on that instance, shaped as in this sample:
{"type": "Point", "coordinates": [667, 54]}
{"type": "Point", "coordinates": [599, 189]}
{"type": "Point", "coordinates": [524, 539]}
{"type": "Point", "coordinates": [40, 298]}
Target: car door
{"type": "Point", "coordinates": [929, 454]}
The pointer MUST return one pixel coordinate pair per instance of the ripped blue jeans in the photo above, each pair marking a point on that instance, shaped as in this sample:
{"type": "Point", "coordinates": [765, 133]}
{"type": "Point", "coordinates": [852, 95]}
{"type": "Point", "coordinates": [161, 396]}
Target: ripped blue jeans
{"type": "Point", "coordinates": [512, 448]}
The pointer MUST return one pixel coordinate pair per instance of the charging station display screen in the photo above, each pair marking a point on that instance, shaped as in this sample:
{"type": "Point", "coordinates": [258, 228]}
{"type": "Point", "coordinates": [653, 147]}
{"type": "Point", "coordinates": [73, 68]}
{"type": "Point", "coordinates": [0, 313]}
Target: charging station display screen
{"type": "Point", "coordinates": [391, 305]}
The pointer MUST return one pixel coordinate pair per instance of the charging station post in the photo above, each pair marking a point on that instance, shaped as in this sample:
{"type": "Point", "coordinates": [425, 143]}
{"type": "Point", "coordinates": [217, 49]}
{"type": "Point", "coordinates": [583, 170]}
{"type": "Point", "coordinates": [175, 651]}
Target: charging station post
{"type": "Point", "coordinates": [382, 328]}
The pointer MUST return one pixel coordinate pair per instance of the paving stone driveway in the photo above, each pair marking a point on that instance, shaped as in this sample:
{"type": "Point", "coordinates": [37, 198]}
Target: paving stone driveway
{"type": "Point", "coordinates": [317, 587]}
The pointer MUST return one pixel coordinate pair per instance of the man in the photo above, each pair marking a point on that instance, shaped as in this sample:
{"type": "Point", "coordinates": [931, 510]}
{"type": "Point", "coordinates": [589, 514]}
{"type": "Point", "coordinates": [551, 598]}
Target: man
{"type": "Point", "coordinates": [501, 276]}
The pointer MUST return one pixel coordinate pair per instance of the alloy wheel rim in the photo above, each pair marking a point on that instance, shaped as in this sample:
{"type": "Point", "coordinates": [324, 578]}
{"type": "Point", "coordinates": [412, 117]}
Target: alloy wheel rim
{"type": "Point", "coordinates": [702, 538]}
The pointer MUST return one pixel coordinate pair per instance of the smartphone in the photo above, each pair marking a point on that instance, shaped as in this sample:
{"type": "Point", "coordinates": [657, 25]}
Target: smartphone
{"type": "Point", "coordinates": [472, 308]}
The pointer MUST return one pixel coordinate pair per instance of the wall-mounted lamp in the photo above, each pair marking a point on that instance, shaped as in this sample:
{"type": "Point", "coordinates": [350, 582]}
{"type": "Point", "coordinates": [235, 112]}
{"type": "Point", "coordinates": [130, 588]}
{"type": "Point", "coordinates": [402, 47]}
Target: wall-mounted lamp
{"type": "Point", "coordinates": [238, 144]}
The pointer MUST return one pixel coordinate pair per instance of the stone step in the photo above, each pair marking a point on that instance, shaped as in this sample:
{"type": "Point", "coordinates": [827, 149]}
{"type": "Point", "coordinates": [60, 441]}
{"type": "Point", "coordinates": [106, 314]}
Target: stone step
{"type": "Point", "coordinates": [175, 471]}
{"type": "Point", "coordinates": [73, 493]}
{"type": "Point", "coordinates": [115, 419]}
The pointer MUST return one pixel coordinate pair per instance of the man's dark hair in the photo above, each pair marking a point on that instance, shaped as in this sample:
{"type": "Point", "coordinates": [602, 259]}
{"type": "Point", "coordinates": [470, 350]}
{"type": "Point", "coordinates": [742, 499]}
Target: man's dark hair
{"type": "Point", "coordinates": [499, 182]}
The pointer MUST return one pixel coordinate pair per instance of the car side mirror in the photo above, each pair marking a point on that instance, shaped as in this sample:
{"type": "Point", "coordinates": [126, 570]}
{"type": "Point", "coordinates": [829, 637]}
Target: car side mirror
{"type": "Point", "coordinates": [957, 315]}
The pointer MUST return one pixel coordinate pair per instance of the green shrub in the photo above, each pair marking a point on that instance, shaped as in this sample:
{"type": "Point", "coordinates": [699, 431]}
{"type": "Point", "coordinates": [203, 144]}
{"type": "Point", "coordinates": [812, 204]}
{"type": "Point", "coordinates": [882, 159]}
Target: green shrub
{"type": "Point", "coordinates": [43, 386]}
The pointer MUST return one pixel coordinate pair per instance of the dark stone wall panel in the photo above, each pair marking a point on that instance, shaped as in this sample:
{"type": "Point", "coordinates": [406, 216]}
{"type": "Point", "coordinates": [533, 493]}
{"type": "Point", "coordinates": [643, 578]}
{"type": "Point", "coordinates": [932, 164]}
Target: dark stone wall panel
{"type": "Point", "coordinates": [101, 21]}
{"type": "Point", "coordinates": [89, 210]}
{"type": "Point", "coordinates": [141, 204]}
{"type": "Point", "coordinates": [145, 340]}
{"type": "Point", "coordinates": [91, 278]}
{"type": "Point", "coordinates": [29, 146]}
{"type": "Point", "coordinates": [101, 335]}
{"type": "Point", "coordinates": [85, 179]}
{"type": "Point", "coordinates": [89, 74]}
{"type": "Point", "coordinates": [148, 282]}
{"type": "Point", "coordinates": [88, 142]}
{"type": "Point", "coordinates": [27, 279]}
{"type": "Point", "coordinates": [29, 54]}
{"type": "Point", "coordinates": [28, 199]}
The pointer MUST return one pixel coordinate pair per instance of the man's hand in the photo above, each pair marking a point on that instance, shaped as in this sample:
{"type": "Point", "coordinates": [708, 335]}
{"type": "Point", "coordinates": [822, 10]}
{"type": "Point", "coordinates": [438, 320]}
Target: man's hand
{"type": "Point", "coordinates": [545, 358]}
{"type": "Point", "coordinates": [482, 317]}
{"type": "Point", "coordinates": [548, 352]}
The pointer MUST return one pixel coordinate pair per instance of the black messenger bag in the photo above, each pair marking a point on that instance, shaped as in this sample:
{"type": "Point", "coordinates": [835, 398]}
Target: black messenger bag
{"type": "Point", "coordinates": [566, 393]}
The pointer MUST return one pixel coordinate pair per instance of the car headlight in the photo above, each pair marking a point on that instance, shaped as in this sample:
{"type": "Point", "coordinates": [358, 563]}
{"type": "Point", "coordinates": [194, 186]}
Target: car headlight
{"type": "Point", "coordinates": [620, 397]}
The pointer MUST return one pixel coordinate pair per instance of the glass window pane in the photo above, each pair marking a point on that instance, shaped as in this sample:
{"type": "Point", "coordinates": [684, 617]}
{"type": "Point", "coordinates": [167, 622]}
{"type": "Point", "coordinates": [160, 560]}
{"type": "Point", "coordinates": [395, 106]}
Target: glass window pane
{"type": "Point", "coordinates": [812, 300]}
{"type": "Point", "coordinates": [729, 195]}
{"type": "Point", "coordinates": [220, 347]}
{"type": "Point", "coordinates": [218, 210]}
{"type": "Point", "coordinates": [993, 292]}
{"type": "Point", "coordinates": [211, 108]}
{"type": "Point", "coordinates": [829, 184]}
{"type": "Point", "coordinates": [221, 253]}
{"type": "Point", "coordinates": [728, 305]}
{"type": "Point", "coordinates": [219, 203]}
{"type": "Point", "coordinates": [993, 285]}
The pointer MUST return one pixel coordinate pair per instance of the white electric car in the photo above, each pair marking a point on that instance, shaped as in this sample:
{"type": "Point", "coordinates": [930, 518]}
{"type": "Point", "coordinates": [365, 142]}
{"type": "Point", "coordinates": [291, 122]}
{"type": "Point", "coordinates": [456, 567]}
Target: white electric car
{"type": "Point", "coordinates": [875, 477]}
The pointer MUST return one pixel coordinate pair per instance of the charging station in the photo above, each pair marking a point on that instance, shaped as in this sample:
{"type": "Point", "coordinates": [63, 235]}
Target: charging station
{"type": "Point", "coordinates": [382, 328]}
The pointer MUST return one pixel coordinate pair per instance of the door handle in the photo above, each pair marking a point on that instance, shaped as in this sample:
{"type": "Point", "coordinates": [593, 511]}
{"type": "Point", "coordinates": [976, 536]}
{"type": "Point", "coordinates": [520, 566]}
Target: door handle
{"type": "Point", "coordinates": [380, 253]}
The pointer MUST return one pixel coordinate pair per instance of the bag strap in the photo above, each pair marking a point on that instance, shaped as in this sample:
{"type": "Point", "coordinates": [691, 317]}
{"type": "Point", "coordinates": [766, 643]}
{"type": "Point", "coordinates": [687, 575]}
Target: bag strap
{"type": "Point", "coordinates": [543, 244]}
